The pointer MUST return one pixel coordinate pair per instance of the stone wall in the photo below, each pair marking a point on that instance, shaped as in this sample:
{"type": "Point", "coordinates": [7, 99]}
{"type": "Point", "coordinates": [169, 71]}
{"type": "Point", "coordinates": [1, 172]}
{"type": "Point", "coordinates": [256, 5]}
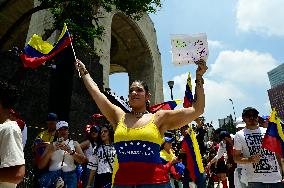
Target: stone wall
{"type": "Point", "coordinates": [136, 53]}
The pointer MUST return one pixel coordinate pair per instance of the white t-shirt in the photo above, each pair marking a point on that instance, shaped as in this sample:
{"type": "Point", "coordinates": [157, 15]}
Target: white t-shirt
{"type": "Point", "coordinates": [60, 159]}
{"type": "Point", "coordinates": [249, 143]}
{"type": "Point", "coordinates": [89, 151]}
{"type": "Point", "coordinates": [98, 161]}
{"type": "Point", "coordinates": [221, 150]}
{"type": "Point", "coordinates": [11, 148]}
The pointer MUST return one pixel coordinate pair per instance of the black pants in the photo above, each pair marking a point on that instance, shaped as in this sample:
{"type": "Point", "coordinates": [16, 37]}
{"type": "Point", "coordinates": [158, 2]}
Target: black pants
{"type": "Point", "coordinates": [231, 179]}
{"type": "Point", "coordinates": [103, 180]}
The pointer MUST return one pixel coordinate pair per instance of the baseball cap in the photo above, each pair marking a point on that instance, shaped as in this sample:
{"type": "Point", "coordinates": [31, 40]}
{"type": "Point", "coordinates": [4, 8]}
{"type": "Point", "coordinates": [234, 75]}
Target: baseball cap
{"type": "Point", "coordinates": [51, 117]}
{"type": "Point", "coordinates": [61, 124]}
{"type": "Point", "coordinates": [97, 116]}
{"type": "Point", "coordinates": [265, 117]}
{"type": "Point", "coordinates": [95, 128]}
{"type": "Point", "coordinates": [224, 134]}
{"type": "Point", "coordinates": [168, 139]}
{"type": "Point", "coordinates": [14, 113]}
{"type": "Point", "coordinates": [92, 128]}
{"type": "Point", "coordinates": [247, 109]}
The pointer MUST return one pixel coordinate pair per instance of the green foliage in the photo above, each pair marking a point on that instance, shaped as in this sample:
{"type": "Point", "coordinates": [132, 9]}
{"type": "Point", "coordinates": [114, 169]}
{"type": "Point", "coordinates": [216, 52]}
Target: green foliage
{"type": "Point", "coordinates": [81, 16]}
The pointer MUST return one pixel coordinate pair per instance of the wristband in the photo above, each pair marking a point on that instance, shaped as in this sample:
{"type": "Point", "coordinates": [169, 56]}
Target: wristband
{"type": "Point", "coordinates": [199, 81]}
{"type": "Point", "coordinates": [83, 73]}
{"type": "Point", "coordinates": [73, 152]}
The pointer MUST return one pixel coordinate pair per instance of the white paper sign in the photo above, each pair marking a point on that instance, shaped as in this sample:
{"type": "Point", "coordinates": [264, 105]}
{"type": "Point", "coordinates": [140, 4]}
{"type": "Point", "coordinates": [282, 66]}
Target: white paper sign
{"type": "Point", "coordinates": [187, 49]}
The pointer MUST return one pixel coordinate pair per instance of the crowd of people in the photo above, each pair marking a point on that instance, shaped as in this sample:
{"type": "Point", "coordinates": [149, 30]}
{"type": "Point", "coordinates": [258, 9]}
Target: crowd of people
{"type": "Point", "coordinates": [138, 149]}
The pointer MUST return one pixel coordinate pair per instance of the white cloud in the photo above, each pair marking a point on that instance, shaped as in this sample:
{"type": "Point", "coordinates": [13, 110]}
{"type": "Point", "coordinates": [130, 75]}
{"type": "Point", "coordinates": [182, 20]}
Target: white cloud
{"type": "Point", "coordinates": [239, 75]}
{"type": "Point", "coordinates": [267, 106]}
{"type": "Point", "coordinates": [261, 16]}
{"type": "Point", "coordinates": [244, 67]}
{"type": "Point", "coordinates": [215, 44]}
{"type": "Point", "coordinates": [217, 96]}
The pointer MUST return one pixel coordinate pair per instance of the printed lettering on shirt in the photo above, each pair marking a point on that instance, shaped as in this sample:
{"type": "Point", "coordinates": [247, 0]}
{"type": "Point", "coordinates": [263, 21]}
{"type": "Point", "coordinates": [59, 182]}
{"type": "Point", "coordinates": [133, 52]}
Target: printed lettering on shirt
{"type": "Point", "coordinates": [268, 161]}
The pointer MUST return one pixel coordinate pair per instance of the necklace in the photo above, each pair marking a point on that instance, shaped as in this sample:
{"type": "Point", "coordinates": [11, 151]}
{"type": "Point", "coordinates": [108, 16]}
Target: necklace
{"type": "Point", "coordinates": [139, 114]}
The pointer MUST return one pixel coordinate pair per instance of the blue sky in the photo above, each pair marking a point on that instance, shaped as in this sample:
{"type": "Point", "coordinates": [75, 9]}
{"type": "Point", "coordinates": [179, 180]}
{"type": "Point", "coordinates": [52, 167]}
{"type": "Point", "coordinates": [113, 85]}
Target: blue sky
{"type": "Point", "coordinates": [246, 40]}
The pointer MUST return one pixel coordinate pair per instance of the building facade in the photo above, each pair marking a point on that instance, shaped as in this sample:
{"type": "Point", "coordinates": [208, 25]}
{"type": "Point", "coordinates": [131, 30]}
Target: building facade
{"type": "Point", "coordinates": [276, 98]}
{"type": "Point", "coordinates": [276, 76]}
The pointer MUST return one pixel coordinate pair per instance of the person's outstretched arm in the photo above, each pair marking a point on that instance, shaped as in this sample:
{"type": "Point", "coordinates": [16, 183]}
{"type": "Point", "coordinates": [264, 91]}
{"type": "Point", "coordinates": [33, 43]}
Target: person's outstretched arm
{"type": "Point", "coordinates": [112, 112]}
{"type": "Point", "coordinates": [172, 119]}
{"type": "Point", "coordinates": [220, 153]}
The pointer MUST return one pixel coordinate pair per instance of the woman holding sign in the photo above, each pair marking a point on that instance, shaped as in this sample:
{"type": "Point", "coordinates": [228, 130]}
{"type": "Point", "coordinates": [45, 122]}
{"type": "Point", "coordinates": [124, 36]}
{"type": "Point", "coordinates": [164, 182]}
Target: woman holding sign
{"type": "Point", "coordinates": [138, 135]}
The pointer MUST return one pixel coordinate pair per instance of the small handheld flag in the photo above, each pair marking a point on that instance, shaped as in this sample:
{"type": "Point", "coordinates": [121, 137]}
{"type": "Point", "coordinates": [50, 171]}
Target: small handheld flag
{"type": "Point", "coordinates": [169, 105]}
{"type": "Point", "coordinates": [37, 52]}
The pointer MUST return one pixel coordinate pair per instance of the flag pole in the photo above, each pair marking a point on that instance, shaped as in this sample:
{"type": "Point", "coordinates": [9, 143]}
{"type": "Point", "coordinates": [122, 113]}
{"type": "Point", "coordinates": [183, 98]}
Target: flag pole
{"type": "Point", "coordinates": [72, 47]}
{"type": "Point", "coordinates": [73, 51]}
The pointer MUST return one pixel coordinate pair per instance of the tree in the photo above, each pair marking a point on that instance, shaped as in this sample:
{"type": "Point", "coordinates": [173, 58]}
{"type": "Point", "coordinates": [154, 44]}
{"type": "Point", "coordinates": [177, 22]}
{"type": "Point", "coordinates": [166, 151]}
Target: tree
{"type": "Point", "coordinates": [82, 17]}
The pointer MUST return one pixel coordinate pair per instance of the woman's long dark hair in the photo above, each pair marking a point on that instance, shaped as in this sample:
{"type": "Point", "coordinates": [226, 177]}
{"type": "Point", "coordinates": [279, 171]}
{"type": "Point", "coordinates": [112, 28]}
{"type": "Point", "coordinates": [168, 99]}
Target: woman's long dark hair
{"type": "Point", "coordinates": [110, 133]}
{"type": "Point", "coordinates": [89, 135]}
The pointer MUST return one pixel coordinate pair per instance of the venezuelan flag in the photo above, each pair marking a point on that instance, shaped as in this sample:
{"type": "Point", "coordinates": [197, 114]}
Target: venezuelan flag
{"type": "Point", "coordinates": [274, 137]}
{"type": "Point", "coordinates": [194, 160]}
{"type": "Point", "coordinates": [188, 97]}
{"type": "Point", "coordinates": [38, 51]}
{"type": "Point", "coordinates": [169, 105]}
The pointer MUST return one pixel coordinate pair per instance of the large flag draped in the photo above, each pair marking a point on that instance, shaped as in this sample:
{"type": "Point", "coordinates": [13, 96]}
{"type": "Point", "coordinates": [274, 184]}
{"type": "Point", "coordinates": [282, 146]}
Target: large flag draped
{"type": "Point", "coordinates": [38, 51]}
{"type": "Point", "coordinates": [188, 97]}
{"type": "Point", "coordinates": [169, 105]}
{"type": "Point", "coordinates": [274, 136]}
{"type": "Point", "coordinates": [194, 160]}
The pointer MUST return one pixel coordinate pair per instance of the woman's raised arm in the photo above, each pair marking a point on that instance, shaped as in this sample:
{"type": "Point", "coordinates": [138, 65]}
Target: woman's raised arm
{"type": "Point", "coordinates": [112, 112]}
{"type": "Point", "coordinates": [172, 119]}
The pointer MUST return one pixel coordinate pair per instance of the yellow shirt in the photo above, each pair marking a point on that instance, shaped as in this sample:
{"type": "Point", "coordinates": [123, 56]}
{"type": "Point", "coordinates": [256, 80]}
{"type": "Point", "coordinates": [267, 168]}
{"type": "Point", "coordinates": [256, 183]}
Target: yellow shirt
{"type": "Point", "coordinates": [45, 136]}
{"type": "Point", "coordinates": [167, 156]}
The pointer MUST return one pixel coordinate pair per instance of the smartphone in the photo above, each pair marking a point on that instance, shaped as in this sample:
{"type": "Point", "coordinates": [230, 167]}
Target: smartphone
{"type": "Point", "coordinates": [60, 140]}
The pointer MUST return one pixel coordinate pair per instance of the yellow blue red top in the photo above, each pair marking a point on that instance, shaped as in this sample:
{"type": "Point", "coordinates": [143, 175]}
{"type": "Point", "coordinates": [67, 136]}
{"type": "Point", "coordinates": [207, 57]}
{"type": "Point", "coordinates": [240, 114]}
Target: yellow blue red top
{"type": "Point", "coordinates": [138, 155]}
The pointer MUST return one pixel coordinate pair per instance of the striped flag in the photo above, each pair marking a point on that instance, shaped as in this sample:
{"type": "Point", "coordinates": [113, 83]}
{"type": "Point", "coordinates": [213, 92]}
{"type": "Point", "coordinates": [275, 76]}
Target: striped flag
{"type": "Point", "coordinates": [274, 137]}
{"type": "Point", "coordinates": [188, 97]}
{"type": "Point", "coordinates": [169, 105]}
{"type": "Point", "coordinates": [38, 51]}
{"type": "Point", "coordinates": [193, 156]}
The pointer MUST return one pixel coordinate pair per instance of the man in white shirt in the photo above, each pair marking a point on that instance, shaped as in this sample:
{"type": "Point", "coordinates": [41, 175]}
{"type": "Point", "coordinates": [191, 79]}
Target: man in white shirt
{"type": "Point", "coordinates": [260, 167]}
{"type": "Point", "coordinates": [12, 162]}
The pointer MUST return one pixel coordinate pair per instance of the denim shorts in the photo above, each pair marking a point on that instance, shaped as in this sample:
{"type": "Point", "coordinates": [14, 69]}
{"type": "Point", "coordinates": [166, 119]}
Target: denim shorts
{"type": "Point", "coordinates": [50, 178]}
{"type": "Point", "coordinates": [164, 185]}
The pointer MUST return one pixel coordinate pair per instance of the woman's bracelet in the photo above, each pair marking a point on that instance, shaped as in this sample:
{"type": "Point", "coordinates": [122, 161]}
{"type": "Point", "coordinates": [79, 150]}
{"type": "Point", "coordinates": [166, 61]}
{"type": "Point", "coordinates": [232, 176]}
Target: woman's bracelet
{"type": "Point", "coordinates": [199, 81]}
{"type": "Point", "coordinates": [73, 152]}
{"type": "Point", "coordinates": [83, 72]}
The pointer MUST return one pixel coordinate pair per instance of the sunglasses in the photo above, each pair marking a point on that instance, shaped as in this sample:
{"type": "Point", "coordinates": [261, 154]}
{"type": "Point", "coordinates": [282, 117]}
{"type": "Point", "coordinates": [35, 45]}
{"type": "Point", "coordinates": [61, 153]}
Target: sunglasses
{"type": "Point", "coordinates": [95, 131]}
{"type": "Point", "coordinates": [104, 131]}
{"type": "Point", "coordinates": [251, 116]}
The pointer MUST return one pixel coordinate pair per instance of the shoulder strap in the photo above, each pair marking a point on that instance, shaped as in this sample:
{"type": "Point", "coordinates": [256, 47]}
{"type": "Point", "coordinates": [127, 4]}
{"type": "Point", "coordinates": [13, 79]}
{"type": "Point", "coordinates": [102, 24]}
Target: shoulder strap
{"type": "Point", "coordinates": [105, 154]}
